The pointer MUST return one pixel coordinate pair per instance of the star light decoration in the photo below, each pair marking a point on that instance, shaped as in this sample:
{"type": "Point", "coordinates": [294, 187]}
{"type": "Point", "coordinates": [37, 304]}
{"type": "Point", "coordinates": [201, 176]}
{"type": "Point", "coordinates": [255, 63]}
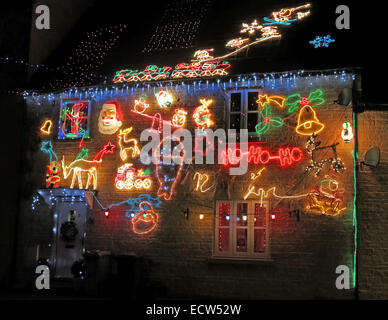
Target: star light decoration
{"type": "Point", "coordinates": [320, 41]}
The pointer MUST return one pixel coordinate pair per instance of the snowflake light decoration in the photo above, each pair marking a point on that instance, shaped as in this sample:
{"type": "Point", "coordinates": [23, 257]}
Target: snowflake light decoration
{"type": "Point", "coordinates": [319, 41]}
{"type": "Point", "coordinates": [250, 28]}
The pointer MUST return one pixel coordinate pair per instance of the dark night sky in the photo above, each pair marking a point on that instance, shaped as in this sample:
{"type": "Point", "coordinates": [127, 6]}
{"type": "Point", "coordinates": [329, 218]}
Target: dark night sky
{"type": "Point", "coordinates": [357, 47]}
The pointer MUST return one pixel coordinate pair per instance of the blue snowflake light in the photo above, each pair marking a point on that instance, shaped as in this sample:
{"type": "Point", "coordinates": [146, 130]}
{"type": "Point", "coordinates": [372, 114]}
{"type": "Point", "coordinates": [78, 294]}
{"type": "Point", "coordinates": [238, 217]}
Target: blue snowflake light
{"type": "Point", "coordinates": [319, 41]}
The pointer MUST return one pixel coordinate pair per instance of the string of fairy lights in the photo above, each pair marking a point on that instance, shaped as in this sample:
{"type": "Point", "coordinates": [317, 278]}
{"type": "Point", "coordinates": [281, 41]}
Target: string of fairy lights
{"type": "Point", "coordinates": [178, 26]}
{"type": "Point", "coordinates": [88, 56]}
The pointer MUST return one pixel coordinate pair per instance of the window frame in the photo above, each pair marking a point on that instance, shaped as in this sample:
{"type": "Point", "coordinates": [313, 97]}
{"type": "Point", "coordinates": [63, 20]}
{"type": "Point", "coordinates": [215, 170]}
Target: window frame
{"type": "Point", "coordinates": [244, 111]}
{"type": "Point", "coordinates": [249, 254]}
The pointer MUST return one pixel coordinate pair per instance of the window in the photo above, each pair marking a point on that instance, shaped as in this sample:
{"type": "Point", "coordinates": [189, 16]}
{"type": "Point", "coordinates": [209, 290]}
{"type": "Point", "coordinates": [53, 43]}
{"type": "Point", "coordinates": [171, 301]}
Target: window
{"type": "Point", "coordinates": [74, 119]}
{"type": "Point", "coordinates": [242, 229]}
{"type": "Point", "coordinates": [243, 110]}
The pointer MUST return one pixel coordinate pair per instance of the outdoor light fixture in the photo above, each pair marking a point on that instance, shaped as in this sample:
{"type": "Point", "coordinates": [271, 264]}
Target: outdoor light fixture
{"type": "Point", "coordinates": [372, 157]}
{"type": "Point", "coordinates": [201, 216]}
{"type": "Point", "coordinates": [273, 216]}
{"type": "Point", "coordinates": [347, 132]}
{"type": "Point", "coordinates": [344, 97]}
{"type": "Point", "coordinates": [106, 213]}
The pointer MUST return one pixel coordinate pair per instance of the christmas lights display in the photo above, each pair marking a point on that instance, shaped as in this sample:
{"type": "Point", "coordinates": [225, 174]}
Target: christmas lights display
{"type": "Point", "coordinates": [146, 220]}
{"type": "Point", "coordinates": [74, 119]}
{"type": "Point", "coordinates": [179, 25]}
{"type": "Point", "coordinates": [322, 41]}
{"type": "Point", "coordinates": [268, 121]}
{"type": "Point", "coordinates": [89, 166]}
{"type": "Point", "coordinates": [236, 42]}
{"type": "Point", "coordinates": [202, 180]}
{"type": "Point", "coordinates": [168, 174]}
{"type": "Point", "coordinates": [79, 69]}
{"type": "Point", "coordinates": [109, 120]}
{"type": "Point", "coordinates": [128, 178]}
{"type": "Point", "coordinates": [164, 99]}
{"type": "Point", "coordinates": [327, 199]}
{"type": "Point", "coordinates": [314, 99]}
{"type": "Point", "coordinates": [179, 117]}
{"type": "Point", "coordinates": [53, 170]}
{"type": "Point", "coordinates": [141, 105]}
{"type": "Point", "coordinates": [313, 146]}
{"type": "Point", "coordinates": [250, 28]}
{"type": "Point", "coordinates": [273, 100]}
{"type": "Point", "coordinates": [127, 145]}
{"type": "Point", "coordinates": [347, 132]}
{"type": "Point", "coordinates": [45, 128]}
{"type": "Point", "coordinates": [287, 16]}
{"type": "Point", "coordinates": [202, 115]}
{"type": "Point", "coordinates": [308, 122]}
{"type": "Point", "coordinates": [253, 185]}
{"type": "Point", "coordinates": [257, 154]}
{"type": "Point", "coordinates": [182, 70]}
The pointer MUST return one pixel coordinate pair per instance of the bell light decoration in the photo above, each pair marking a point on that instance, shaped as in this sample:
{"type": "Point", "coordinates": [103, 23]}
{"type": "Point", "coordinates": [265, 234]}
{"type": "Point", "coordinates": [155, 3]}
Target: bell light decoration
{"type": "Point", "coordinates": [347, 132]}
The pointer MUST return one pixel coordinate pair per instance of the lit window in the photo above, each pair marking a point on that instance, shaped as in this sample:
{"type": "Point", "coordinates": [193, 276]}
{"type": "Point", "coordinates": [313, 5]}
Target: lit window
{"type": "Point", "coordinates": [242, 229]}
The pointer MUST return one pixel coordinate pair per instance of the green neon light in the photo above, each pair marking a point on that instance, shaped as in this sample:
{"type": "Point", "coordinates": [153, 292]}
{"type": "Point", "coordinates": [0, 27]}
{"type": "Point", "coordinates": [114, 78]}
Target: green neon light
{"type": "Point", "coordinates": [355, 157]}
{"type": "Point", "coordinates": [268, 121]}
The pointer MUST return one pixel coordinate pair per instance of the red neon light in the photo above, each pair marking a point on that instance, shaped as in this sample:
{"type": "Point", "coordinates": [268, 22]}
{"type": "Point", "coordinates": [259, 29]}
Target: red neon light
{"type": "Point", "coordinates": [258, 155]}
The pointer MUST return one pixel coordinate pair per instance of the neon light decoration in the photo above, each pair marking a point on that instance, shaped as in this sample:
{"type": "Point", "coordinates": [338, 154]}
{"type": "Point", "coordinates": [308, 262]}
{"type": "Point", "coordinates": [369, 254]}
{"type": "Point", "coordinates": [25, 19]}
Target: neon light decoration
{"type": "Point", "coordinates": [109, 120]}
{"type": "Point", "coordinates": [129, 178]}
{"type": "Point", "coordinates": [308, 122]}
{"type": "Point", "coordinates": [141, 105]}
{"type": "Point", "coordinates": [236, 42]}
{"type": "Point", "coordinates": [53, 169]}
{"type": "Point", "coordinates": [268, 121]}
{"type": "Point", "coordinates": [252, 186]}
{"type": "Point", "coordinates": [194, 69]}
{"type": "Point", "coordinates": [347, 132]}
{"type": "Point", "coordinates": [250, 28]}
{"type": "Point", "coordinates": [260, 155]}
{"type": "Point", "coordinates": [269, 31]}
{"type": "Point", "coordinates": [46, 127]}
{"type": "Point", "coordinates": [203, 54]}
{"type": "Point", "coordinates": [335, 163]}
{"type": "Point", "coordinates": [294, 101]}
{"type": "Point", "coordinates": [146, 220]}
{"type": "Point", "coordinates": [168, 175]}
{"type": "Point", "coordinates": [202, 180]}
{"type": "Point", "coordinates": [202, 115]}
{"type": "Point", "coordinates": [164, 99]}
{"type": "Point", "coordinates": [157, 121]}
{"type": "Point", "coordinates": [179, 117]}
{"type": "Point", "coordinates": [74, 119]}
{"type": "Point", "coordinates": [82, 165]}
{"type": "Point", "coordinates": [327, 199]}
{"type": "Point", "coordinates": [287, 16]}
{"type": "Point", "coordinates": [273, 100]}
{"type": "Point", "coordinates": [127, 145]}
{"type": "Point", "coordinates": [262, 194]}
{"type": "Point", "coordinates": [320, 42]}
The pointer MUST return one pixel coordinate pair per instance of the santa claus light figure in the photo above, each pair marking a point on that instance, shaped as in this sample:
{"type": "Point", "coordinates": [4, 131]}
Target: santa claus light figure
{"type": "Point", "coordinates": [109, 120]}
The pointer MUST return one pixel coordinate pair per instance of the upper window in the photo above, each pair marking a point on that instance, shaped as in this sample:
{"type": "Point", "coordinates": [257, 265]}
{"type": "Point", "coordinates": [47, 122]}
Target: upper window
{"type": "Point", "coordinates": [243, 110]}
{"type": "Point", "coordinates": [242, 229]}
{"type": "Point", "coordinates": [74, 119]}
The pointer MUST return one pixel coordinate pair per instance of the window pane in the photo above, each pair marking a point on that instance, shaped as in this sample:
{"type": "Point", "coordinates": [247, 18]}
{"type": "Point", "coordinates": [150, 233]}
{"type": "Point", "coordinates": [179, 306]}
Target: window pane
{"type": "Point", "coordinates": [259, 241]}
{"type": "Point", "coordinates": [223, 239]}
{"type": "Point", "coordinates": [235, 102]}
{"type": "Point", "coordinates": [259, 217]}
{"type": "Point", "coordinates": [242, 214]}
{"type": "Point", "coordinates": [252, 98]}
{"type": "Point", "coordinates": [235, 121]}
{"type": "Point", "coordinates": [241, 240]}
{"type": "Point", "coordinates": [224, 214]}
{"type": "Point", "coordinates": [252, 121]}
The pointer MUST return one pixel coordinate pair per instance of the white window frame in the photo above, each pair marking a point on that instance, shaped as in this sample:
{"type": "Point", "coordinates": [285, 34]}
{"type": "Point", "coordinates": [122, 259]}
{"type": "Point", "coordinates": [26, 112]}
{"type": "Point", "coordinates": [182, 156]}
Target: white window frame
{"type": "Point", "coordinates": [243, 109]}
{"type": "Point", "coordinates": [250, 254]}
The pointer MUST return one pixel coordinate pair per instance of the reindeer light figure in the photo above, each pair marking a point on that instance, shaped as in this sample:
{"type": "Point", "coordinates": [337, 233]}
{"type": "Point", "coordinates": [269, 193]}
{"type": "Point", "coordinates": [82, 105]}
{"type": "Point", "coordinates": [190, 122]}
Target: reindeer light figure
{"type": "Point", "coordinates": [82, 165]}
{"type": "Point", "coordinates": [127, 145]}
